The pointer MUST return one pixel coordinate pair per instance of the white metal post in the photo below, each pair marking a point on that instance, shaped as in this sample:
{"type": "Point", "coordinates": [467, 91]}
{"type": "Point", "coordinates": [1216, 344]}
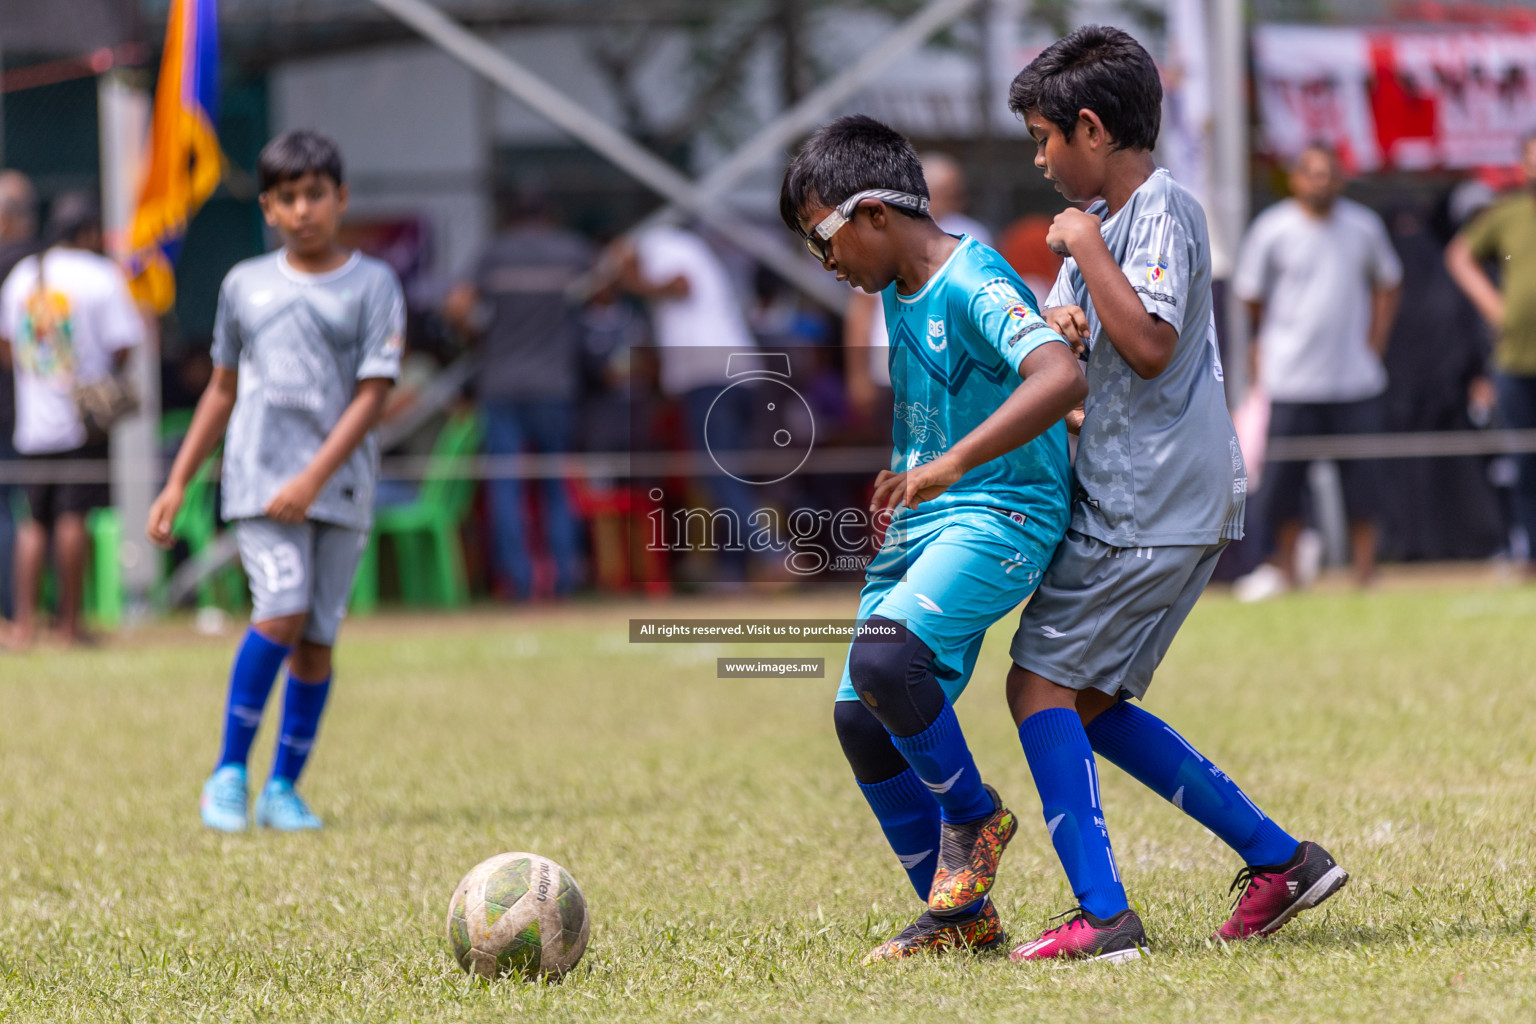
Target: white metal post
{"type": "Point", "coordinates": [1229, 67]}
{"type": "Point", "coordinates": [123, 119]}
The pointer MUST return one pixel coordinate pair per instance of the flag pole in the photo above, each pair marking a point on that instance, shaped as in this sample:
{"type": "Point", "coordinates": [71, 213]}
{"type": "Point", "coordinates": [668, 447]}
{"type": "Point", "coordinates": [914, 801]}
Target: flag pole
{"type": "Point", "coordinates": [123, 123]}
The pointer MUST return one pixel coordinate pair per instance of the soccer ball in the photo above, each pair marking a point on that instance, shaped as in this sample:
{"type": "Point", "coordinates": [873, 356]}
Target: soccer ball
{"type": "Point", "coordinates": [517, 913]}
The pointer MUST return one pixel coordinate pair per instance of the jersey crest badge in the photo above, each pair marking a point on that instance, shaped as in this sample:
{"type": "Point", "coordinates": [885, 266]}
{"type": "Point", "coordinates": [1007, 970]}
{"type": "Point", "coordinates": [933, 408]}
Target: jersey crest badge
{"type": "Point", "coordinates": [936, 338]}
{"type": "Point", "coordinates": [1157, 269]}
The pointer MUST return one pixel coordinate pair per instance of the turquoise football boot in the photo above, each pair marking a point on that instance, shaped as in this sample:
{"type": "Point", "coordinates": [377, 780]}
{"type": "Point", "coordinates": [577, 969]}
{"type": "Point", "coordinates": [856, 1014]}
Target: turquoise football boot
{"type": "Point", "coordinates": [280, 807]}
{"type": "Point", "coordinates": [224, 797]}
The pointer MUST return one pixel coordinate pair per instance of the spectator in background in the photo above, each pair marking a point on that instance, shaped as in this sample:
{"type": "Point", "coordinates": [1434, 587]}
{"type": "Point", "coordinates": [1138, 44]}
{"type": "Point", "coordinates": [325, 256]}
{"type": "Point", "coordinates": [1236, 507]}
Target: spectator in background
{"type": "Point", "coordinates": [1322, 282]}
{"type": "Point", "coordinates": [18, 240]}
{"type": "Point", "coordinates": [66, 320]}
{"type": "Point", "coordinates": [1435, 509]}
{"type": "Point", "coordinates": [697, 320]}
{"type": "Point", "coordinates": [1505, 235]}
{"type": "Point", "coordinates": [1023, 245]}
{"type": "Point", "coordinates": [518, 303]}
{"type": "Point", "coordinates": [866, 346]}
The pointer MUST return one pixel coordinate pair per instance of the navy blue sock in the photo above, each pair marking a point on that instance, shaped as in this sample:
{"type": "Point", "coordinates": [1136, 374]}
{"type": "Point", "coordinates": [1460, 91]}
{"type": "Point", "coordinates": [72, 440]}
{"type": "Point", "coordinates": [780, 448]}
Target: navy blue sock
{"type": "Point", "coordinates": [250, 681]}
{"type": "Point", "coordinates": [302, 704]}
{"type": "Point", "coordinates": [909, 817]}
{"type": "Point", "coordinates": [1148, 750]}
{"type": "Point", "coordinates": [943, 762]}
{"type": "Point", "coordinates": [1062, 763]}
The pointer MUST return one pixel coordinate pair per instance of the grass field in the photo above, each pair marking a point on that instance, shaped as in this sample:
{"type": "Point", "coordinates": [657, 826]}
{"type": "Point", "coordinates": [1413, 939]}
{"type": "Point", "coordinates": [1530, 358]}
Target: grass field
{"type": "Point", "coordinates": [732, 869]}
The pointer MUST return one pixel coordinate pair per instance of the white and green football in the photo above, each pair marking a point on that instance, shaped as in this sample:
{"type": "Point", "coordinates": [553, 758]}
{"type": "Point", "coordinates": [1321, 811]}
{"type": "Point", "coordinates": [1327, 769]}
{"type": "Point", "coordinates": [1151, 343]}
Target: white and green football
{"type": "Point", "coordinates": [517, 914]}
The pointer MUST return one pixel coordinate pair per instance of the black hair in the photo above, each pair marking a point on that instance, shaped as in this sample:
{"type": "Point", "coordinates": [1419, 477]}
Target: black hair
{"type": "Point", "coordinates": [72, 216]}
{"type": "Point", "coordinates": [294, 154]}
{"type": "Point", "coordinates": [845, 156]}
{"type": "Point", "coordinates": [1103, 69]}
{"type": "Point", "coordinates": [1322, 146]}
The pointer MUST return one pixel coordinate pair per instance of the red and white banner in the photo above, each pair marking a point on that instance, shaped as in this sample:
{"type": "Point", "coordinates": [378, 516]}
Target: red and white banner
{"type": "Point", "coordinates": [1397, 99]}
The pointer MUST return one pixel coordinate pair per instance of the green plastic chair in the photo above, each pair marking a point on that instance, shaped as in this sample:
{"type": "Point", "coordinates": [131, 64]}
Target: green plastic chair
{"type": "Point", "coordinates": [102, 595]}
{"type": "Point", "coordinates": [425, 532]}
{"type": "Point", "coordinates": [197, 526]}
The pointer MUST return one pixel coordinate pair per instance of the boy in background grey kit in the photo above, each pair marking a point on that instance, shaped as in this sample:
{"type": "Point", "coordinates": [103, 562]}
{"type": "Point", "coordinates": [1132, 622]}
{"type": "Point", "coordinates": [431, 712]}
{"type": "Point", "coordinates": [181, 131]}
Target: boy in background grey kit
{"type": "Point", "coordinates": [306, 344]}
{"type": "Point", "coordinates": [1160, 487]}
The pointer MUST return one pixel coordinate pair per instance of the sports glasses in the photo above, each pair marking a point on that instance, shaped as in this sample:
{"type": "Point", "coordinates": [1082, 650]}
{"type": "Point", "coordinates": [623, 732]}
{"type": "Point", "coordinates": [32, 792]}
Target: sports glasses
{"type": "Point", "coordinates": [817, 240]}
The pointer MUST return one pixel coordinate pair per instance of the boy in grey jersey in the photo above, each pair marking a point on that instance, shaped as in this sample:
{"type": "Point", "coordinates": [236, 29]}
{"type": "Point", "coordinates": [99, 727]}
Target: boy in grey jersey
{"type": "Point", "coordinates": [1159, 491]}
{"type": "Point", "coordinates": [307, 342]}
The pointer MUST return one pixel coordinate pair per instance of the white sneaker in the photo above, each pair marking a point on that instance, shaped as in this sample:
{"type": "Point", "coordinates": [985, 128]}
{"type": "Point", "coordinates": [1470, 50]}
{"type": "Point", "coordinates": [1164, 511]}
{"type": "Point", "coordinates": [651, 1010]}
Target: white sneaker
{"type": "Point", "coordinates": [1263, 583]}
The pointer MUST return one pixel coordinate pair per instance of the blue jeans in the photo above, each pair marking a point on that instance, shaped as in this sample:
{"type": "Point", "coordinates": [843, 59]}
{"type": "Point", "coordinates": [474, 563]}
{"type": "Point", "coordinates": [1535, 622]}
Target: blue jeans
{"type": "Point", "coordinates": [1517, 407]}
{"type": "Point", "coordinates": [538, 426]}
{"type": "Point", "coordinates": [729, 427]}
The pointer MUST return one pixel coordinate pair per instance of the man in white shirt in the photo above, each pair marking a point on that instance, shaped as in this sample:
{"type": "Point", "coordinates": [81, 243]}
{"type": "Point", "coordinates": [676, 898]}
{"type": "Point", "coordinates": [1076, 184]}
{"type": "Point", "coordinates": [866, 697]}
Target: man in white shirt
{"type": "Point", "coordinates": [1322, 281]}
{"type": "Point", "coordinates": [866, 345]}
{"type": "Point", "coordinates": [697, 322]}
{"type": "Point", "coordinates": [18, 240]}
{"type": "Point", "coordinates": [66, 321]}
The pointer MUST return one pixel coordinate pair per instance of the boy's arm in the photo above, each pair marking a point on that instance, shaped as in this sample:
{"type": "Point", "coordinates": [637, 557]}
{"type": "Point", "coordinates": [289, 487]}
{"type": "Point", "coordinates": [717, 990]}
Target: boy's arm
{"type": "Point", "coordinates": [1144, 341]}
{"type": "Point", "coordinates": [208, 423]}
{"type": "Point", "coordinates": [291, 502]}
{"type": "Point", "coordinates": [1053, 386]}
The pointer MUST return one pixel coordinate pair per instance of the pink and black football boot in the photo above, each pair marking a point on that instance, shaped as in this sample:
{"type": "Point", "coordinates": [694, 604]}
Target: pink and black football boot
{"type": "Point", "coordinates": [1085, 937]}
{"type": "Point", "coordinates": [1275, 894]}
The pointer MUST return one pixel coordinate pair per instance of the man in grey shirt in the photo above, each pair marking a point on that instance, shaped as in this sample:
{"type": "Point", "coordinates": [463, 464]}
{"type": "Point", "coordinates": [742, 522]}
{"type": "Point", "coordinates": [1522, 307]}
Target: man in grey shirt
{"type": "Point", "coordinates": [1320, 276]}
{"type": "Point", "coordinates": [530, 339]}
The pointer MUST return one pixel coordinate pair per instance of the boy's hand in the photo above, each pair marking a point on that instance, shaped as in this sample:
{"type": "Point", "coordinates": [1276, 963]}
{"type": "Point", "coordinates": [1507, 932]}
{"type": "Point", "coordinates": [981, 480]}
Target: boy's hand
{"type": "Point", "coordinates": [291, 503]}
{"type": "Point", "coordinates": [1071, 229]}
{"type": "Point", "coordinates": [162, 514]}
{"type": "Point", "coordinates": [1071, 323]}
{"type": "Point", "coordinates": [914, 486]}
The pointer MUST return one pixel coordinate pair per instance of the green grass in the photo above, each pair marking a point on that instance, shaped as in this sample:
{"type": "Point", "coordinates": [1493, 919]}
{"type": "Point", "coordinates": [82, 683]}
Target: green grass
{"type": "Point", "coordinates": [732, 869]}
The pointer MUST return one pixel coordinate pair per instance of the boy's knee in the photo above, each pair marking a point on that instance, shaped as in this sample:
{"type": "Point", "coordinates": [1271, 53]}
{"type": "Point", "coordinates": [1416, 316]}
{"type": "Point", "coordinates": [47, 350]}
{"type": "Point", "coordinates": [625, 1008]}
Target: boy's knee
{"type": "Point", "coordinates": [285, 630]}
{"type": "Point", "coordinates": [866, 743]}
{"type": "Point", "coordinates": [894, 680]}
{"type": "Point", "coordinates": [310, 662]}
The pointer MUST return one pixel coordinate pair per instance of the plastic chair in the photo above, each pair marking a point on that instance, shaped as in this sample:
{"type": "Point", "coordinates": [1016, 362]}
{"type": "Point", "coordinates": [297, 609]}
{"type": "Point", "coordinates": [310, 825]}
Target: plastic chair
{"type": "Point", "coordinates": [197, 526]}
{"type": "Point", "coordinates": [425, 531]}
{"type": "Point", "coordinates": [102, 595]}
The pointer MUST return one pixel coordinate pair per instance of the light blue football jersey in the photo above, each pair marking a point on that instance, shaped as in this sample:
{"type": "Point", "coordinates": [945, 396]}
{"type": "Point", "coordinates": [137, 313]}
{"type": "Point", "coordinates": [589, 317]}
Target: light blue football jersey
{"type": "Point", "coordinates": [956, 346]}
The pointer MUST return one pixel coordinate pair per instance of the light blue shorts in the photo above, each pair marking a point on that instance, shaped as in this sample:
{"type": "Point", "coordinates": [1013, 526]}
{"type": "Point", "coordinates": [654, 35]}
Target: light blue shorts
{"type": "Point", "coordinates": [948, 576]}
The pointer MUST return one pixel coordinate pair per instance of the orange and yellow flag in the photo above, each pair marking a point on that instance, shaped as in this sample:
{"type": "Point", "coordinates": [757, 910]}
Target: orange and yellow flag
{"type": "Point", "coordinates": [185, 164]}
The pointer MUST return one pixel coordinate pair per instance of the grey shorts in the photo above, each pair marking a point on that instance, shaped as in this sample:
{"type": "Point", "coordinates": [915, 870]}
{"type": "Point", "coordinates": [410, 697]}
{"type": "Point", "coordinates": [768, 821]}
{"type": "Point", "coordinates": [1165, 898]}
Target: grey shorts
{"type": "Point", "coordinates": [300, 567]}
{"type": "Point", "coordinates": [1104, 616]}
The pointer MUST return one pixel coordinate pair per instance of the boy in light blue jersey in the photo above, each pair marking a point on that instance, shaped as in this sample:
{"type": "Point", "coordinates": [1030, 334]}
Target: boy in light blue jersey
{"type": "Point", "coordinates": [306, 344]}
{"type": "Point", "coordinates": [1160, 487]}
{"type": "Point", "coordinates": [978, 483]}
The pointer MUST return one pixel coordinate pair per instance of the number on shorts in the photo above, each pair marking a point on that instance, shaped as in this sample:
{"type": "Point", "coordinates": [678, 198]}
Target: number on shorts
{"type": "Point", "coordinates": [281, 567]}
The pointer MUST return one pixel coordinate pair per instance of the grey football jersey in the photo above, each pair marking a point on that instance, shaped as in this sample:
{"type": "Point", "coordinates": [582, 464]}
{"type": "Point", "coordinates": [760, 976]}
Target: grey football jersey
{"type": "Point", "coordinates": [1157, 460]}
{"type": "Point", "coordinates": [300, 343]}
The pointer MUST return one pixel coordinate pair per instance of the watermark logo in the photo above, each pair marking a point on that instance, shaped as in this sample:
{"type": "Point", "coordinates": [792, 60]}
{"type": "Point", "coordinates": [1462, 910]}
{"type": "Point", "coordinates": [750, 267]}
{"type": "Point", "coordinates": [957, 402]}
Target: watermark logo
{"type": "Point", "coordinates": [750, 465]}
